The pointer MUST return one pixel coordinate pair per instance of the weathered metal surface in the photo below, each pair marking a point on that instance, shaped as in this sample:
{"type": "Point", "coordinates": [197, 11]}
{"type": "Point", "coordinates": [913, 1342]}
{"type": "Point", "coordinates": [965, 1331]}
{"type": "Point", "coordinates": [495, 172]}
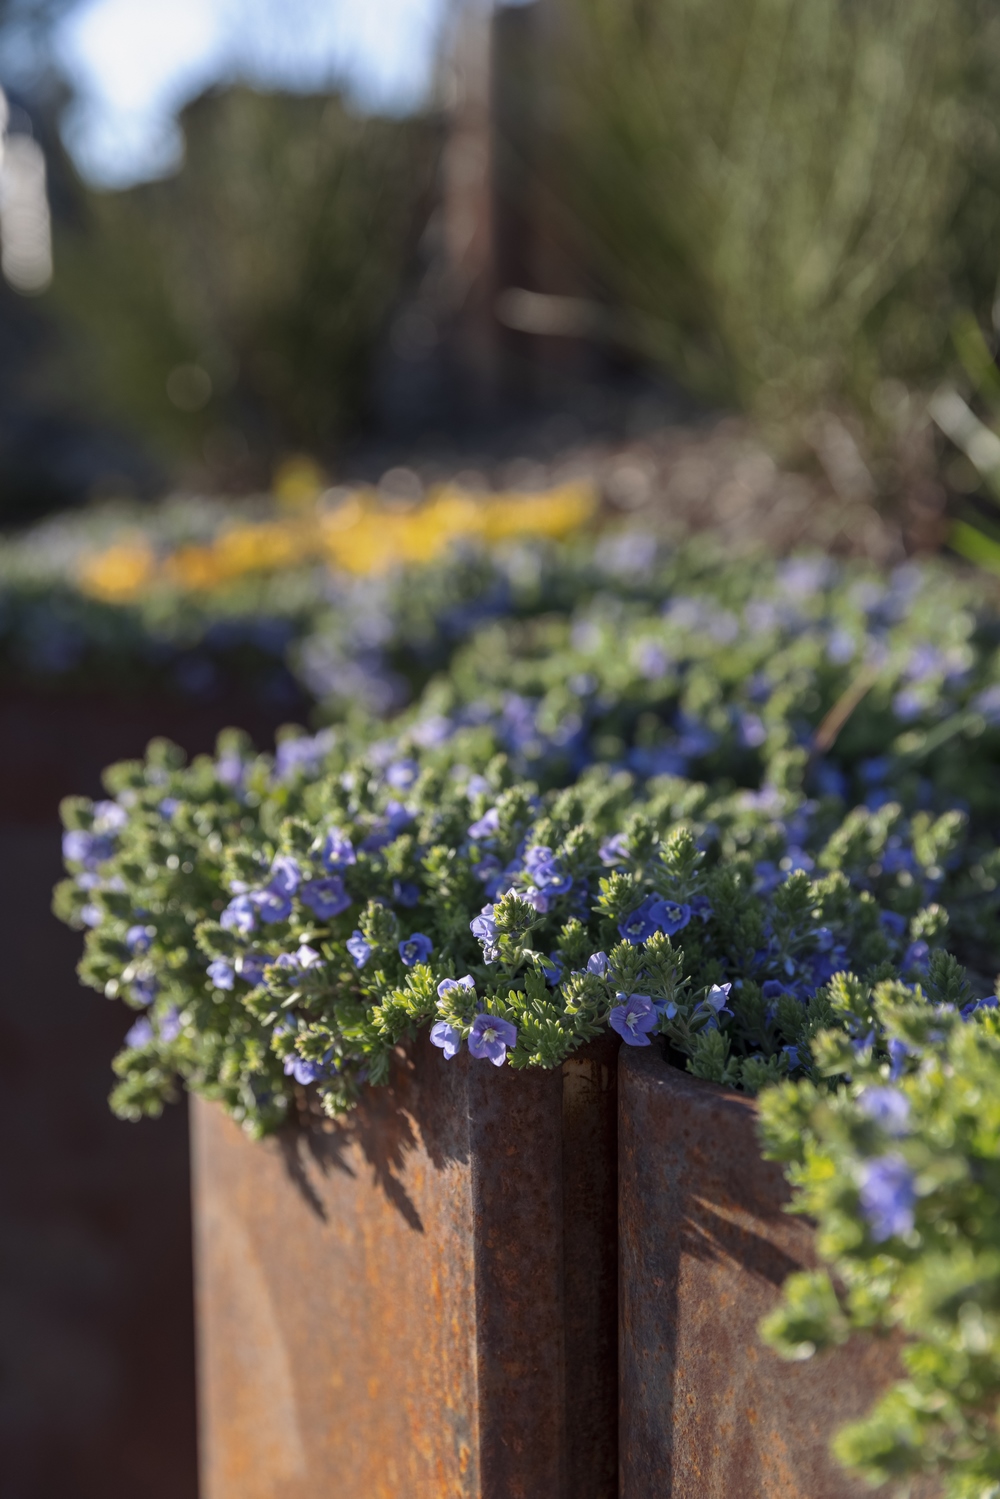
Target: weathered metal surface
{"type": "Point", "coordinates": [97, 1389]}
{"type": "Point", "coordinates": [707, 1411]}
{"type": "Point", "coordinates": [419, 1302]}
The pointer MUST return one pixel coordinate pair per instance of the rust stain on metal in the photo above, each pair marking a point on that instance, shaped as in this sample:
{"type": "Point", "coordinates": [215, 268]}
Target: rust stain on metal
{"type": "Point", "coordinates": [421, 1302]}
{"type": "Point", "coordinates": [706, 1410]}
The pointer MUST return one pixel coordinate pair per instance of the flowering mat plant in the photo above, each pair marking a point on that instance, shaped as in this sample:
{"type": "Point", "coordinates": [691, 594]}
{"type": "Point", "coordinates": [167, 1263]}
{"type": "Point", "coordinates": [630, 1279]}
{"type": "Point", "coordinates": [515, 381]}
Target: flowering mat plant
{"type": "Point", "coordinates": [754, 820]}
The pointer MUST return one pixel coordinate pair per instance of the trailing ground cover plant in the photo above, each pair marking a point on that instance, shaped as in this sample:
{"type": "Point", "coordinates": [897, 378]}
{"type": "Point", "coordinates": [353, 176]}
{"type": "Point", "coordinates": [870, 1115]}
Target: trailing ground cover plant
{"type": "Point", "coordinates": [895, 1153]}
{"type": "Point", "coordinates": [287, 920]}
{"type": "Point", "coordinates": [793, 674]}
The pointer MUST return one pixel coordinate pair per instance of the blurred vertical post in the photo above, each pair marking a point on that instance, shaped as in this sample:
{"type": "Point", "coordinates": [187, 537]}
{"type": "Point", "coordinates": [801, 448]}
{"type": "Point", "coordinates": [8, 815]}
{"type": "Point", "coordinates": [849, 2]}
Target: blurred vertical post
{"type": "Point", "coordinates": [519, 327]}
{"type": "Point", "coordinates": [25, 223]}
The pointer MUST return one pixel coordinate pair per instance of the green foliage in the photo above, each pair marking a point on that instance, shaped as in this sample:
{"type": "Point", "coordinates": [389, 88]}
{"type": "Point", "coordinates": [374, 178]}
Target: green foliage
{"type": "Point", "coordinates": [788, 199]}
{"type": "Point", "coordinates": [917, 1252]}
{"type": "Point", "coordinates": [241, 299]}
{"type": "Point", "coordinates": [290, 920]}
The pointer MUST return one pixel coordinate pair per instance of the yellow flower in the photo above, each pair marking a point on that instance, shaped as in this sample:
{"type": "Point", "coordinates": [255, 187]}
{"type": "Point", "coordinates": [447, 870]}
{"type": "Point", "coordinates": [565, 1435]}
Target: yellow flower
{"type": "Point", "coordinates": [119, 574]}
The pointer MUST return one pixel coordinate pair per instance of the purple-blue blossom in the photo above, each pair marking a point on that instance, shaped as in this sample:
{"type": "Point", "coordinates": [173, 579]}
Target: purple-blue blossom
{"type": "Point", "coordinates": [402, 774]}
{"type": "Point", "coordinates": [144, 988]}
{"type": "Point", "coordinates": [887, 1197]}
{"type": "Point", "coordinates": [286, 876]}
{"type": "Point", "coordinates": [170, 1025]}
{"type": "Point", "coordinates": [633, 1018]}
{"type": "Point", "coordinates": [466, 982]}
{"type": "Point", "coordinates": [598, 963]}
{"type": "Point", "coordinates": [222, 973]}
{"type": "Point", "coordinates": [405, 893]}
{"type": "Point", "coordinates": [250, 967]}
{"type": "Point", "coordinates": [272, 904]}
{"type": "Point", "coordinates": [325, 897]}
{"type": "Point", "coordinates": [239, 916]}
{"type": "Point", "coordinates": [446, 1037]}
{"type": "Point", "coordinates": [614, 850]}
{"type": "Point", "coordinates": [415, 949]}
{"type": "Point", "coordinates": [887, 1107]}
{"type": "Point", "coordinates": [138, 938]}
{"type": "Point", "coordinates": [338, 850]}
{"type": "Point", "coordinates": [140, 1034]}
{"type": "Point", "coordinates": [485, 826]}
{"type": "Point", "coordinates": [88, 849]}
{"type": "Point", "coordinates": [359, 949]}
{"type": "Point", "coordinates": [490, 1038]}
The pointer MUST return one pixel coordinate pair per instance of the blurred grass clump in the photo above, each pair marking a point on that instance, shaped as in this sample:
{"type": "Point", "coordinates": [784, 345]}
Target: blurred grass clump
{"type": "Point", "coordinates": [789, 199]}
{"type": "Point", "coordinates": [234, 309]}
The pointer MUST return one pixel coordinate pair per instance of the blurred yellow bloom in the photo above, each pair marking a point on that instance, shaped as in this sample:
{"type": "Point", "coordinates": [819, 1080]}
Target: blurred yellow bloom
{"type": "Point", "coordinates": [360, 536]}
{"type": "Point", "coordinates": [119, 574]}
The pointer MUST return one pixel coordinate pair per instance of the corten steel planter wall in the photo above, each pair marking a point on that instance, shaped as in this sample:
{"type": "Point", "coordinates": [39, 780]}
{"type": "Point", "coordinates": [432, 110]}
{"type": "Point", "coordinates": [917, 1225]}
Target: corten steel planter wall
{"type": "Point", "coordinates": [97, 1391]}
{"type": "Point", "coordinates": [707, 1411]}
{"type": "Point", "coordinates": [420, 1302]}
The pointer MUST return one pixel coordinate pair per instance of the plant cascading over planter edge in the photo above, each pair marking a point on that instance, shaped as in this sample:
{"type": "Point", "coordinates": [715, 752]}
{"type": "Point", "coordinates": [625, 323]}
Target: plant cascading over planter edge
{"type": "Point", "coordinates": [737, 817]}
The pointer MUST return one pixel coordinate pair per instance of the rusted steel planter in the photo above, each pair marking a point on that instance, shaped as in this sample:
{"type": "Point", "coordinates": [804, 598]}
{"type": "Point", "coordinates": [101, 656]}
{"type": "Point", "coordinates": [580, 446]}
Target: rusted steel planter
{"type": "Point", "coordinates": [96, 1278]}
{"type": "Point", "coordinates": [707, 1411]}
{"type": "Point", "coordinates": [420, 1302]}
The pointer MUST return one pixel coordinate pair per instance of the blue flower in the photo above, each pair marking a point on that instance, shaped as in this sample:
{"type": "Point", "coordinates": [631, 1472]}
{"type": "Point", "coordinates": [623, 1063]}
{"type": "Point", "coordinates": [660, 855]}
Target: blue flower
{"type": "Point", "coordinates": [338, 850]}
{"type": "Point", "coordinates": [651, 916]}
{"type": "Point", "coordinates": [887, 1197]}
{"type": "Point", "coordinates": [286, 876]}
{"type": "Point", "coordinates": [272, 905]}
{"type": "Point", "coordinates": [250, 967]}
{"type": "Point", "coordinates": [138, 938]}
{"type": "Point", "coordinates": [484, 929]}
{"type": "Point", "coordinates": [404, 893]}
{"type": "Point", "coordinates": [239, 916]}
{"type": "Point", "coordinates": [221, 973]}
{"type": "Point", "coordinates": [552, 969]}
{"type": "Point", "coordinates": [638, 925]}
{"type": "Point", "coordinates": [614, 850]}
{"type": "Point", "coordinates": [88, 849]}
{"type": "Point", "coordinates": [305, 1071]}
{"type": "Point", "coordinates": [325, 897]}
{"type": "Point", "coordinates": [140, 1034]}
{"type": "Point", "coordinates": [306, 956]}
{"type": "Point", "coordinates": [415, 949]}
{"type": "Point", "coordinates": [544, 869]}
{"type": "Point", "coordinates": [386, 829]}
{"type": "Point", "coordinates": [792, 1053]}
{"type": "Point", "coordinates": [887, 1107]}
{"type": "Point", "coordinates": [170, 1025]}
{"type": "Point", "coordinates": [598, 963]}
{"type": "Point", "coordinates": [302, 753]}
{"type": "Point", "coordinates": [402, 774]}
{"type": "Point", "coordinates": [168, 807]}
{"type": "Point", "coordinates": [446, 1037]}
{"type": "Point", "coordinates": [990, 1003]}
{"type": "Point", "coordinates": [447, 985]}
{"type": "Point", "coordinates": [634, 1018]}
{"type": "Point", "coordinates": [359, 949]}
{"type": "Point", "coordinates": [714, 1005]}
{"type": "Point", "coordinates": [486, 826]}
{"type": "Point", "coordinates": [893, 923]}
{"type": "Point", "coordinates": [490, 1037]}
{"type": "Point", "coordinates": [144, 988]}
{"type": "Point", "coordinates": [898, 1052]}
{"type": "Point", "coordinates": [988, 704]}
{"type": "Point", "coordinates": [917, 956]}
{"type": "Point", "coordinates": [669, 916]}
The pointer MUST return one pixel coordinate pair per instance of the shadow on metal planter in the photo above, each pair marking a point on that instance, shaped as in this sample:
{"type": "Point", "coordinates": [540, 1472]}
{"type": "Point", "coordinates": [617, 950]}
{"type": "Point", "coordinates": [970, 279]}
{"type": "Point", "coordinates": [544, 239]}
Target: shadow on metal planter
{"type": "Point", "coordinates": [420, 1301]}
{"type": "Point", "coordinates": [707, 1411]}
{"type": "Point", "coordinates": [97, 1390]}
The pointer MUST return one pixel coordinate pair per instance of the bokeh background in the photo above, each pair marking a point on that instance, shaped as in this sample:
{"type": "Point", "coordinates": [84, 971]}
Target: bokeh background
{"type": "Point", "coordinates": [294, 296]}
